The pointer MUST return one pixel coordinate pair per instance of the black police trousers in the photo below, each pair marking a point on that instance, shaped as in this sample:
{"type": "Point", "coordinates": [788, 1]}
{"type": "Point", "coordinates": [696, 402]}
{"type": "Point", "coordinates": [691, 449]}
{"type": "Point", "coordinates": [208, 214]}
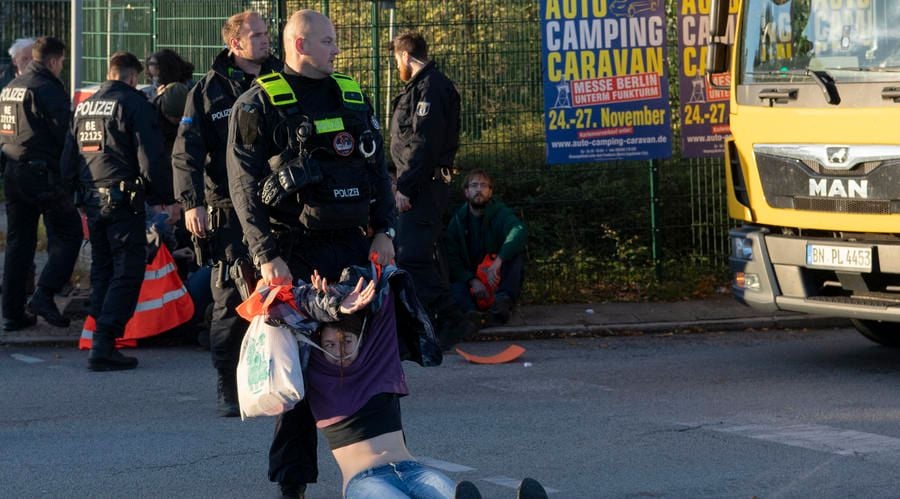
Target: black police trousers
{"type": "Point", "coordinates": [118, 261]}
{"type": "Point", "coordinates": [25, 203]}
{"type": "Point", "coordinates": [227, 328]}
{"type": "Point", "coordinates": [292, 456]}
{"type": "Point", "coordinates": [418, 252]}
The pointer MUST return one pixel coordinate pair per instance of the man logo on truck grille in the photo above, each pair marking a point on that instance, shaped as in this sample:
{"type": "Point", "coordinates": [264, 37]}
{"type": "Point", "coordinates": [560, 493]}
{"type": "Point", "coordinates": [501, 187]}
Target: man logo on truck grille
{"type": "Point", "coordinates": [837, 155]}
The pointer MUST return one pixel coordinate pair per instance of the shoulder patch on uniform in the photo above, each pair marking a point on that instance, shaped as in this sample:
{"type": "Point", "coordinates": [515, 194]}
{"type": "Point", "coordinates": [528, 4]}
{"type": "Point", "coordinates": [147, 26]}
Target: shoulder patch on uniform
{"type": "Point", "coordinates": [422, 108]}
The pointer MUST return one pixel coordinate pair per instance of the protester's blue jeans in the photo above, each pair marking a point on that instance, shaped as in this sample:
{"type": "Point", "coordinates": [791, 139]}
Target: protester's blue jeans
{"type": "Point", "coordinates": [400, 480]}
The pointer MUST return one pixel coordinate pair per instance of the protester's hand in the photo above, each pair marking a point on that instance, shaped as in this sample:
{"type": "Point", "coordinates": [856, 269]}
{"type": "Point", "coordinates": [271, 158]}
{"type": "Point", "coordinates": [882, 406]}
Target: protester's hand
{"type": "Point", "coordinates": [384, 248]}
{"type": "Point", "coordinates": [493, 272]}
{"type": "Point", "coordinates": [477, 289]}
{"type": "Point", "coordinates": [196, 221]}
{"type": "Point", "coordinates": [275, 272]}
{"type": "Point", "coordinates": [357, 299]}
{"type": "Point", "coordinates": [402, 202]}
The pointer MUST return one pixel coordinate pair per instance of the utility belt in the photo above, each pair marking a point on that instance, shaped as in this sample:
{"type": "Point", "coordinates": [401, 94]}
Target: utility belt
{"type": "Point", "coordinates": [126, 195]}
{"type": "Point", "coordinates": [36, 172]}
{"type": "Point", "coordinates": [36, 179]}
{"type": "Point", "coordinates": [212, 250]}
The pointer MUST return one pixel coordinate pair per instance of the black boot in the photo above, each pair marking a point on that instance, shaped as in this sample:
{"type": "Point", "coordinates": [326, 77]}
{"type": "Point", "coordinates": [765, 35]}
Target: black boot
{"type": "Point", "coordinates": [27, 320]}
{"type": "Point", "coordinates": [42, 304]}
{"type": "Point", "coordinates": [292, 490]}
{"type": "Point", "coordinates": [466, 490]}
{"type": "Point", "coordinates": [501, 310]}
{"type": "Point", "coordinates": [105, 357]}
{"type": "Point", "coordinates": [228, 399]}
{"type": "Point", "coordinates": [531, 489]}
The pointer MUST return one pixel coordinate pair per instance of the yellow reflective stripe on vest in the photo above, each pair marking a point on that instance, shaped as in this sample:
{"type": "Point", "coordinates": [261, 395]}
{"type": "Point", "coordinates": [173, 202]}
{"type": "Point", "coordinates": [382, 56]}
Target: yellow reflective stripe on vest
{"type": "Point", "coordinates": [350, 90]}
{"type": "Point", "coordinates": [278, 89]}
{"type": "Point", "coordinates": [329, 125]}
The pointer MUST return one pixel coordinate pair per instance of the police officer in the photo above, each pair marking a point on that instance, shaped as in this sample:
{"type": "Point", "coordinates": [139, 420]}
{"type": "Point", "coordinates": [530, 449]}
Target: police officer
{"type": "Point", "coordinates": [34, 119]}
{"type": "Point", "coordinates": [424, 141]}
{"type": "Point", "coordinates": [307, 175]}
{"type": "Point", "coordinates": [117, 135]}
{"type": "Point", "coordinates": [201, 184]}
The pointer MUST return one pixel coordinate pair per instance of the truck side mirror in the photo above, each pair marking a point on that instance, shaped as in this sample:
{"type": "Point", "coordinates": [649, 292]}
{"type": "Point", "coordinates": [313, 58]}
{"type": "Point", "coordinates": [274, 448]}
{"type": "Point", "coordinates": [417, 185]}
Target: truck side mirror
{"type": "Point", "coordinates": [718, 18]}
{"type": "Point", "coordinates": [717, 58]}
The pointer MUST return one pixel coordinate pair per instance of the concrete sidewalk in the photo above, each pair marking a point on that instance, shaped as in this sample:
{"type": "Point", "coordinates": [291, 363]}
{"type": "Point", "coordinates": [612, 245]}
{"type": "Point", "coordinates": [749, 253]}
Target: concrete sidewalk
{"type": "Point", "coordinates": [549, 321]}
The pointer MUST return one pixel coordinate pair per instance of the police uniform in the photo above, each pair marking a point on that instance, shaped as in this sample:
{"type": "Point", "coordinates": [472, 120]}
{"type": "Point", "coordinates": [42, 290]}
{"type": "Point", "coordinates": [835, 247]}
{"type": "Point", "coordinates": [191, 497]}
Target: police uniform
{"type": "Point", "coordinates": [201, 179]}
{"type": "Point", "coordinates": [307, 175]}
{"type": "Point", "coordinates": [424, 140]}
{"type": "Point", "coordinates": [118, 138]}
{"type": "Point", "coordinates": [34, 118]}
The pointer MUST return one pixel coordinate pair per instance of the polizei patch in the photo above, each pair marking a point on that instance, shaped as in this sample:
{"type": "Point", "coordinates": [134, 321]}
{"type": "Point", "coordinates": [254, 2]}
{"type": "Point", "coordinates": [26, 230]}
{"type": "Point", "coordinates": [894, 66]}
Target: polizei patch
{"type": "Point", "coordinates": [343, 144]}
{"type": "Point", "coordinates": [95, 108]}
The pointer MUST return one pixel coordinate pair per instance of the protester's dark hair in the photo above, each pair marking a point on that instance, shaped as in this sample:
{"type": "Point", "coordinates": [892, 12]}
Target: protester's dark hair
{"type": "Point", "coordinates": [172, 68]}
{"type": "Point", "coordinates": [349, 324]}
{"type": "Point", "coordinates": [479, 173]}
{"type": "Point", "coordinates": [411, 42]}
{"type": "Point", "coordinates": [124, 63]}
{"type": "Point", "coordinates": [47, 47]}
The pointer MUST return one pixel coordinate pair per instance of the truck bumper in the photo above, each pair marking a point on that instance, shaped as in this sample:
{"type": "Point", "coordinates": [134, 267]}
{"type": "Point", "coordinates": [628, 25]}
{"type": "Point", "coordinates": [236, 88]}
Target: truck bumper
{"type": "Point", "coordinates": [770, 272]}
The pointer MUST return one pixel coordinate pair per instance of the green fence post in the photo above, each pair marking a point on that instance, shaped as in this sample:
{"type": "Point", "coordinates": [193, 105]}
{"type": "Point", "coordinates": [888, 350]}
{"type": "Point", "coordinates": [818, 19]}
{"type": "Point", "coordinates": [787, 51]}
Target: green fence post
{"type": "Point", "coordinates": [654, 219]}
{"type": "Point", "coordinates": [376, 66]}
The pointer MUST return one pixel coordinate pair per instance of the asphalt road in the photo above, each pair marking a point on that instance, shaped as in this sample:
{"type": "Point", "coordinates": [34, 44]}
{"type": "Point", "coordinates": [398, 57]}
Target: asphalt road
{"type": "Point", "coordinates": [736, 414]}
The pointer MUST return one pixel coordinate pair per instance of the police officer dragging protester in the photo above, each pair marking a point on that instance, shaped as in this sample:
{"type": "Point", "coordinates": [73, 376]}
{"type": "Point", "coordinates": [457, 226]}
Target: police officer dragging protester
{"type": "Point", "coordinates": [201, 184]}
{"type": "Point", "coordinates": [307, 176]}
{"type": "Point", "coordinates": [424, 140]}
{"type": "Point", "coordinates": [35, 112]}
{"type": "Point", "coordinates": [117, 135]}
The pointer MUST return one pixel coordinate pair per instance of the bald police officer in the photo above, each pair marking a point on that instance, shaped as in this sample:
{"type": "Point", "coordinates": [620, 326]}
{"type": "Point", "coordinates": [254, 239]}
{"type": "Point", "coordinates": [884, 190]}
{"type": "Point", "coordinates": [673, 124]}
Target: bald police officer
{"type": "Point", "coordinates": [307, 176]}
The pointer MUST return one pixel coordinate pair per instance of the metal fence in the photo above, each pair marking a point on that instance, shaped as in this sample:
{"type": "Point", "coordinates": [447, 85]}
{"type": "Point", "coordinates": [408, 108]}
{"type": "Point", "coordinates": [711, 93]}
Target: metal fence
{"type": "Point", "coordinates": [592, 226]}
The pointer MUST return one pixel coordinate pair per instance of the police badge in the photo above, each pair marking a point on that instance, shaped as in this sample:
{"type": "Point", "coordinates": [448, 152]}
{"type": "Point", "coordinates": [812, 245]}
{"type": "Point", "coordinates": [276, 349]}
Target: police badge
{"type": "Point", "coordinates": [422, 108]}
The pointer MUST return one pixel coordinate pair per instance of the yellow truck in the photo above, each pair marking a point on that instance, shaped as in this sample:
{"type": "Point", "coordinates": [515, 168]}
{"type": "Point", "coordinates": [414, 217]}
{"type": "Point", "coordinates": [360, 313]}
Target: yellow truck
{"type": "Point", "coordinates": [813, 157]}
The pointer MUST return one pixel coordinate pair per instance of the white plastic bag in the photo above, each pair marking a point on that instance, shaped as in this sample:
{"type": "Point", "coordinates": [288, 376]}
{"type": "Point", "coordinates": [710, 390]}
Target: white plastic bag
{"type": "Point", "coordinates": [269, 378]}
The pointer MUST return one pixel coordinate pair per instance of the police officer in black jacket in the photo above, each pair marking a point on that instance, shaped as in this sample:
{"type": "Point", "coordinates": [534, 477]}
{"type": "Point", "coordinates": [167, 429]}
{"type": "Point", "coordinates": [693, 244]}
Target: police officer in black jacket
{"type": "Point", "coordinates": [117, 135]}
{"type": "Point", "coordinates": [424, 140]}
{"type": "Point", "coordinates": [201, 184]}
{"type": "Point", "coordinates": [307, 175]}
{"type": "Point", "coordinates": [34, 119]}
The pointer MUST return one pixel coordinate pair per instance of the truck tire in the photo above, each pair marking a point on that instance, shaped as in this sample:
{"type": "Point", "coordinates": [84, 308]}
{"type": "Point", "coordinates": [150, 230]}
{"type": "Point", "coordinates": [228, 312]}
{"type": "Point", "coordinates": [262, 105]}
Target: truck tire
{"type": "Point", "coordinates": [884, 333]}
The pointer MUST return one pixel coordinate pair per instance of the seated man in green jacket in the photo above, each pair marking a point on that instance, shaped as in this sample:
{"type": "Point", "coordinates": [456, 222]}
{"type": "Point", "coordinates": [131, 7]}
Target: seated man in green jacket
{"type": "Point", "coordinates": [485, 245]}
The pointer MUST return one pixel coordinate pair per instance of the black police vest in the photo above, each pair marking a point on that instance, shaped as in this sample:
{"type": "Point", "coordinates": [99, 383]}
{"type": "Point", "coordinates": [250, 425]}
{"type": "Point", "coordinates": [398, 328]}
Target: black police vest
{"type": "Point", "coordinates": [340, 143]}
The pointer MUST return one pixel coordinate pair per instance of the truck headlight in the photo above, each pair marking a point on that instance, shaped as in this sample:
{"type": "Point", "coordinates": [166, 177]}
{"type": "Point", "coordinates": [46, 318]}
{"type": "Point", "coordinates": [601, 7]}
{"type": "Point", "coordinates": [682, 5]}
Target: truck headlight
{"type": "Point", "coordinates": [742, 248]}
{"type": "Point", "coordinates": [747, 281]}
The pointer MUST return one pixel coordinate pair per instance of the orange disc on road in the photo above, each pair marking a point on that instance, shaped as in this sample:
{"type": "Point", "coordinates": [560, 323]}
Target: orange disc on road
{"type": "Point", "coordinates": [511, 353]}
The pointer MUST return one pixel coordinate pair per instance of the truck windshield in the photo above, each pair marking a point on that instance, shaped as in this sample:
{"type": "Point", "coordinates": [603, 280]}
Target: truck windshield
{"type": "Point", "coordinates": [853, 40]}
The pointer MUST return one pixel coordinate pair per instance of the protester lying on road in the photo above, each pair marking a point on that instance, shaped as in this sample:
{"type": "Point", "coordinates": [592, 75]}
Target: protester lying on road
{"type": "Point", "coordinates": [355, 381]}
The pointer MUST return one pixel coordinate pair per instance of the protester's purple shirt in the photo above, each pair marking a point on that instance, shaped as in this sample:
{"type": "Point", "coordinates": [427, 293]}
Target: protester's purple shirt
{"type": "Point", "coordinates": [336, 393]}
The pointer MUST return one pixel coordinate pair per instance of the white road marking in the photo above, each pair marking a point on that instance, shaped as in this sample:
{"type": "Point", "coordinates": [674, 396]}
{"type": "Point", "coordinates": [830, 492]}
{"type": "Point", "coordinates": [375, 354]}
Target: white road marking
{"type": "Point", "coordinates": [26, 358]}
{"type": "Point", "coordinates": [444, 465]}
{"type": "Point", "coordinates": [816, 437]}
{"type": "Point", "coordinates": [512, 483]}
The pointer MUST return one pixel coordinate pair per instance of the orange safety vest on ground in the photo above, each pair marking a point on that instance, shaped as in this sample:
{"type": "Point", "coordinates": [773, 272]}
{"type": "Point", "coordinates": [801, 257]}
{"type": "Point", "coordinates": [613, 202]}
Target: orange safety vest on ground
{"type": "Point", "coordinates": [163, 304]}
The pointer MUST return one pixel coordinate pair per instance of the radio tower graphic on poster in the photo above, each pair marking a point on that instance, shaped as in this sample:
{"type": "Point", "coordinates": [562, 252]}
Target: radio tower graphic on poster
{"type": "Point", "coordinates": [697, 91]}
{"type": "Point", "coordinates": [562, 95]}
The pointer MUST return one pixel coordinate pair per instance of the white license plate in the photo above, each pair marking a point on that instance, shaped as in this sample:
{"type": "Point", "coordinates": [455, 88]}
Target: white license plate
{"type": "Point", "coordinates": [839, 257]}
